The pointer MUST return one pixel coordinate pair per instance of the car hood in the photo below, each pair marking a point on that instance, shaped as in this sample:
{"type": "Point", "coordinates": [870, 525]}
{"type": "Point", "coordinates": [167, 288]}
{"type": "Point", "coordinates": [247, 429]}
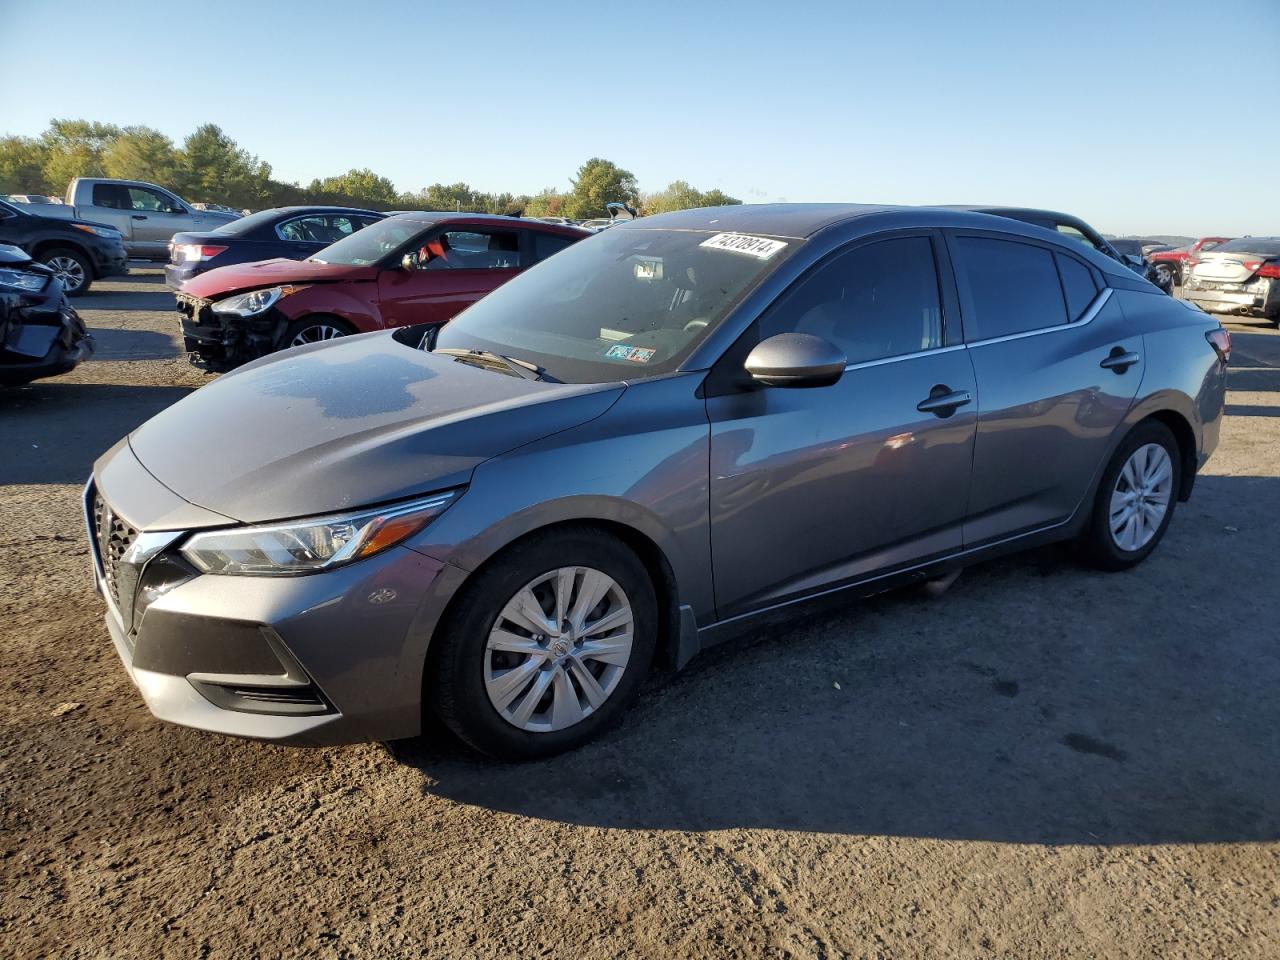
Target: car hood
{"type": "Point", "coordinates": [269, 273]}
{"type": "Point", "coordinates": [345, 424]}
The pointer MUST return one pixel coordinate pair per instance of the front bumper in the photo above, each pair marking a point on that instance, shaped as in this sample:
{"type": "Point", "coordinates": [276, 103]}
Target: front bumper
{"type": "Point", "coordinates": [220, 343]}
{"type": "Point", "coordinates": [39, 340]}
{"type": "Point", "coordinates": [111, 261]}
{"type": "Point", "coordinates": [322, 659]}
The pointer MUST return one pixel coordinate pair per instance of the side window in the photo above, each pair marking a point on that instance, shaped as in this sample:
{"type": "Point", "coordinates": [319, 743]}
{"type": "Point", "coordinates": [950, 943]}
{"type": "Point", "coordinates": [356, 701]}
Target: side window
{"type": "Point", "coordinates": [1078, 285]}
{"type": "Point", "coordinates": [110, 195]}
{"type": "Point", "coordinates": [1007, 287]}
{"type": "Point", "coordinates": [472, 249]}
{"type": "Point", "coordinates": [362, 222]}
{"type": "Point", "coordinates": [316, 229]}
{"type": "Point", "coordinates": [545, 244]}
{"type": "Point", "coordinates": [873, 302]}
{"type": "Point", "coordinates": [1072, 233]}
{"type": "Point", "coordinates": [141, 198]}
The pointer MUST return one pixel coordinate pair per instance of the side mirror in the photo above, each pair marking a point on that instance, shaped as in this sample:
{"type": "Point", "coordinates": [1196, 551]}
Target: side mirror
{"type": "Point", "coordinates": [796, 360]}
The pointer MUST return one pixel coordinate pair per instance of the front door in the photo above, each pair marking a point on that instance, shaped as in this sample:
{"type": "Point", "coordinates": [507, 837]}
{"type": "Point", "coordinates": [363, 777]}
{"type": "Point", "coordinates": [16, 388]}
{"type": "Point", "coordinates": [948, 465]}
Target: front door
{"type": "Point", "coordinates": [1058, 366]}
{"type": "Point", "coordinates": [455, 268]}
{"type": "Point", "coordinates": [814, 487]}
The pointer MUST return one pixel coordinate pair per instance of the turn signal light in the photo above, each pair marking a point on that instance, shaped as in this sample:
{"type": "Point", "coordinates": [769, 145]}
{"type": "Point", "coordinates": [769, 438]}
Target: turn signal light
{"type": "Point", "coordinates": [1220, 340]}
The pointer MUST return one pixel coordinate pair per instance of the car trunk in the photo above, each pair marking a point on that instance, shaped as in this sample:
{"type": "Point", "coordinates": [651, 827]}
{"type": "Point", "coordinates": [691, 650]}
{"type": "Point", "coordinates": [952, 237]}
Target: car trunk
{"type": "Point", "coordinates": [1233, 267]}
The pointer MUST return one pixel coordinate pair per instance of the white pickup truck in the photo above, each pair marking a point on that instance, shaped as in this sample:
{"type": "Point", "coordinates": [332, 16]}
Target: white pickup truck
{"type": "Point", "coordinates": [146, 214]}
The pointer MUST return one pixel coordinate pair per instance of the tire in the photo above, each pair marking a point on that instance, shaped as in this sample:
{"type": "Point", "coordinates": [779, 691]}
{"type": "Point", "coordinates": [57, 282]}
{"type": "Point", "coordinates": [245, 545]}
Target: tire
{"type": "Point", "coordinates": [1137, 537]}
{"type": "Point", "coordinates": [314, 330]}
{"type": "Point", "coordinates": [464, 674]}
{"type": "Point", "coordinates": [1166, 276]}
{"type": "Point", "coordinates": [73, 269]}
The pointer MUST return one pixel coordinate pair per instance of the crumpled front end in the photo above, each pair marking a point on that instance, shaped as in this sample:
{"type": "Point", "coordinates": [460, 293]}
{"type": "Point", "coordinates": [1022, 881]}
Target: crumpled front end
{"type": "Point", "coordinates": [40, 336]}
{"type": "Point", "coordinates": [219, 343]}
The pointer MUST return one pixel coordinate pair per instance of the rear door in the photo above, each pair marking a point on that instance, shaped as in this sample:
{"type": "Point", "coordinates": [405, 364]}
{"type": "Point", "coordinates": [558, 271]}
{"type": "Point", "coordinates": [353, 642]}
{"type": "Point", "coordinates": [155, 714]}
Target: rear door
{"type": "Point", "coordinates": [815, 487]}
{"type": "Point", "coordinates": [156, 217]}
{"type": "Point", "coordinates": [1057, 369]}
{"type": "Point", "coordinates": [456, 267]}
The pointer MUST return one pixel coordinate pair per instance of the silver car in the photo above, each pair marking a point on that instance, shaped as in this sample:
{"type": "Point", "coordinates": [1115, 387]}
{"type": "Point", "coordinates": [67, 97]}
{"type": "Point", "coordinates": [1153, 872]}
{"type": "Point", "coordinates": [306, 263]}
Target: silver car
{"type": "Point", "coordinates": [631, 453]}
{"type": "Point", "coordinates": [1239, 276]}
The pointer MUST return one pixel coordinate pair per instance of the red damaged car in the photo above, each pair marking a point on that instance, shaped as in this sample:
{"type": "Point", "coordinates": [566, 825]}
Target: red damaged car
{"type": "Point", "coordinates": [1173, 265]}
{"type": "Point", "coordinates": [408, 269]}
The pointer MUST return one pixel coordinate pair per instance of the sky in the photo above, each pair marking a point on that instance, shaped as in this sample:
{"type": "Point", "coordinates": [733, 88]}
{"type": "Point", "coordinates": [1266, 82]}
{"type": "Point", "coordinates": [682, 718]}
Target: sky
{"type": "Point", "coordinates": [1140, 117]}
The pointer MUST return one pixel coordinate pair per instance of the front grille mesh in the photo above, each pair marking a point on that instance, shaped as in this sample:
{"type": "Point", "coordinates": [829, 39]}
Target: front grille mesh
{"type": "Point", "coordinates": [114, 538]}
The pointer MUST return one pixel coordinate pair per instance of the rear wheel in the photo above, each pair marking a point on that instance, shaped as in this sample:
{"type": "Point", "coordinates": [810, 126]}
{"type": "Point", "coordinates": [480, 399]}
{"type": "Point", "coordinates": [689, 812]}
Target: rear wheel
{"type": "Point", "coordinates": [72, 269]}
{"type": "Point", "coordinates": [546, 647]}
{"type": "Point", "coordinates": [1135, 499]}
{"type": "Point", "coordinates": [314, 330]}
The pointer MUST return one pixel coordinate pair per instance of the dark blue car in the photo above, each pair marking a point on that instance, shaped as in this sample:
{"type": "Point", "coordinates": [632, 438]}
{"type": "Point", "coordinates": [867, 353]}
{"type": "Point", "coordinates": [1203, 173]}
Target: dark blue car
{"type": "Point", "coordinates": [293, 233]}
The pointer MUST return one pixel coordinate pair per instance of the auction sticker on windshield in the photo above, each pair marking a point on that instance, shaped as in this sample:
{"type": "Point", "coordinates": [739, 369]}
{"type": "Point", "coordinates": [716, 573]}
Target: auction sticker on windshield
{"type": "Point", "coordinates": [760, 247]}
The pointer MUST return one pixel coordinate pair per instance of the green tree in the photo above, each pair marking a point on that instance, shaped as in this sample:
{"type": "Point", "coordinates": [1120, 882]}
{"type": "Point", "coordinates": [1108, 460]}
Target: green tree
{"type": "Point", "coordinates": [356, 186]}
{"type": "Point", "coordinates": [211, 166]}
{"type": "Point", "coordinates": [22, 162]}
{"type": "Point", "coordinates": [679, 195]}
{"type": "Point", "coordinates": [547, 203]}
{"type": "Point", "coordinates": [598, 182]}
{"type": "Point", "coordinates": [141, 153]}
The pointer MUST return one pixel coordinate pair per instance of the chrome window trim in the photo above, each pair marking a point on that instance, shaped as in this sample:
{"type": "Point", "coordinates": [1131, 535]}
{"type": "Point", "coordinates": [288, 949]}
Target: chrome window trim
{"type": "Point", "coordinates": [1095, 308]}
{"type": "Point", "coordinates": [863, 364]}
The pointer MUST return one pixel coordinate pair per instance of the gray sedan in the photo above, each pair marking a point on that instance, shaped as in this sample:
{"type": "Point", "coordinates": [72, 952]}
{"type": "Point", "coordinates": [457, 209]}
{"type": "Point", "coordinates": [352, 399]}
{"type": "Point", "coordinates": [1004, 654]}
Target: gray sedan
{"type": "Point", "coordinates": [632, 452]}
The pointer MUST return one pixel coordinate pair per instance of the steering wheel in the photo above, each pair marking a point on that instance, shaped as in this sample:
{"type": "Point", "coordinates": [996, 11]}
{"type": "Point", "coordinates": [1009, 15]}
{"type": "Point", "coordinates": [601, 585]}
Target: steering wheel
{"type": "Point", "coordinates": [695, 324]}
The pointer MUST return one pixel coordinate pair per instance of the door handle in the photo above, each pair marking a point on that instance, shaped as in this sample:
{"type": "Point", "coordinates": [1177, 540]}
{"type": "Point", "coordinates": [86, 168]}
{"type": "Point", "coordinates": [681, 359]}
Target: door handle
{"type": "Point", "coordinates": [943, 401]}
{"type": "Point", "coordinates": [1120, 360]}
{"type": "Point", "coordinates": [139, 216]}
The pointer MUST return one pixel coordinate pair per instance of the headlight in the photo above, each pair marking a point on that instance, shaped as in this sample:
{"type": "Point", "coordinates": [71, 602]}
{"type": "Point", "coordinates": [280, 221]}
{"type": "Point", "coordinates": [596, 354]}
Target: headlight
{"type": "Point", "coordinates": [252, 303]}
{"type": "Point", "coordinates": [309, 546]}
{"type": "Point", "coordinates": [21, 280]}
{"type": "Point", "coordinates": [111, 233]}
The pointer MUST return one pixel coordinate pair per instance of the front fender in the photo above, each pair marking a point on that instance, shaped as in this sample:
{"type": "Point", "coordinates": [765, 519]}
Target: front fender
{"type": "Point", "coordinates": [353, 303]}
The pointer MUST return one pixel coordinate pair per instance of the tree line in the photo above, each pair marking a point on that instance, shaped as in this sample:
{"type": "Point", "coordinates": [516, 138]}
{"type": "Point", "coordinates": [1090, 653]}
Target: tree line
{"type": "Point", "coordinates": [210, 166]}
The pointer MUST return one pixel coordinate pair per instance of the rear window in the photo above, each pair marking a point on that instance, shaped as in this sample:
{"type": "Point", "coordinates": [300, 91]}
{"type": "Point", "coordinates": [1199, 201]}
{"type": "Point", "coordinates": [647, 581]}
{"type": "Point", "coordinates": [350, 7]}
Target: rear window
{"type": "Point", "coordinates": [1007, 287]}
{"type": "Point", "coordinates": [1267, 246]}
{"type": "Point", "coordinates": [1078, 285]}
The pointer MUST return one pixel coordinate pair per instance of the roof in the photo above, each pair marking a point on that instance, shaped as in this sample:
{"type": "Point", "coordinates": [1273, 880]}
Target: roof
{"type": "Point", "coordinates": [796, 220]}
{"type": "Point", "coordinates": [451, 216]}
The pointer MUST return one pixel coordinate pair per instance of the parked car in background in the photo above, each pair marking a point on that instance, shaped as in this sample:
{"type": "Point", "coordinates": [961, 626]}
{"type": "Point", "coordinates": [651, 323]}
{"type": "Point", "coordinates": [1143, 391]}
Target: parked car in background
{"type": "Point", "coordinates": [408, 269]}
{"type": "Point", "coordinates": [40, 334]}
{"type": "Point", "coordinates": [220, 208]}
{"type": "Point", "coordinates": [78, 251]}
{"type": "Point", "coordinates": [1239, 276]}
{"type": "Point", "coordinates": [146, 215]}
{"type": "Point", "coordinates": [1073, 228]}
{"type": "Point", "coordinates": [627, 455]}
{"type": "Point", "coordinates": [1171, 264]}
{"type": "Point", "coordinates": [1149, 248]}
{"type": "Point", "coordinates": [292, 233]}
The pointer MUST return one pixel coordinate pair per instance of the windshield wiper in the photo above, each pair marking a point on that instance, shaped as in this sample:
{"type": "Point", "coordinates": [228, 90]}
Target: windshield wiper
{"type": "Point", "coordinates": [486, 358]}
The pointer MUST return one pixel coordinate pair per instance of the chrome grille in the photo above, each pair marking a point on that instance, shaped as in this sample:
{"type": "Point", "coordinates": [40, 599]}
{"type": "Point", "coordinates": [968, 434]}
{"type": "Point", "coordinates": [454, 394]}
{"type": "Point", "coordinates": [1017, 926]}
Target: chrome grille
{"type": "Point", "coordinates": [114, 537]}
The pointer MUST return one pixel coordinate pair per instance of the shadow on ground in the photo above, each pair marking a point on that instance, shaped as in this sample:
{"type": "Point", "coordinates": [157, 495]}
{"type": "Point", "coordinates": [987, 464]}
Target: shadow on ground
{"type": "Point", "coordinates": [52, 431]}
{"type": "Point", "coordinates": [122, 344]}
{"type": "Point", "coordinates": [1036, 702]}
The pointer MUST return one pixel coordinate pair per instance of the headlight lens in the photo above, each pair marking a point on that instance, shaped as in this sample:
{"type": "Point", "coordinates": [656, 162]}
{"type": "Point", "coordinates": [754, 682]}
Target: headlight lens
{"type": "Point", "coordinates": [111, 233]}
{"type": "Point", "coordinates": [309, 546]}
{"type": "Point", "coordinates": [21, 280]}
{"type": "Point", "coordinates": [252, 303]}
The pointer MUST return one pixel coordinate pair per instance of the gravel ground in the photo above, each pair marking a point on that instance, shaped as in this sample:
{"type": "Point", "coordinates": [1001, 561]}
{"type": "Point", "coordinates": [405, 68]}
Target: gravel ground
{"type": "Point", "coordinates": [1045, 762]}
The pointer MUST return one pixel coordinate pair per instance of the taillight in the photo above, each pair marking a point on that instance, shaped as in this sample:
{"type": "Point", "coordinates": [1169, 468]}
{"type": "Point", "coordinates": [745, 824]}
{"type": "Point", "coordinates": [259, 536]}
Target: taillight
{"type": "Point", "coordinates": [195, 252]}
{"type": "Point", "coordinates": [1271, 270]}
{"type": "Point", "coordinates": [1220, 340]}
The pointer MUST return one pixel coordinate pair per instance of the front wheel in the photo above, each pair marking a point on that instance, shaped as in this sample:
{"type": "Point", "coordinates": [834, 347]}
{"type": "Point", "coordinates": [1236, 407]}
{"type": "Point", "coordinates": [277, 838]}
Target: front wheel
{"type": "Point", "coordinates": [72, 268]}
{"type": "Point", "coordinates": [1165, 278]}
{"type": "Point", "coordinates": [314, 330]}
{"type": "Point", "coordinates": [1135, 499]}
{"type": "Point", "coordinates": [546, 647]}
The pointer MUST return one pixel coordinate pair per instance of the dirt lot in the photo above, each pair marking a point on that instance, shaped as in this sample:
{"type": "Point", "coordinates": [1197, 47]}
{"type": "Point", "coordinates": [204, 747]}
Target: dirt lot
{"type": "Point", "coordinates": [1045, 762]}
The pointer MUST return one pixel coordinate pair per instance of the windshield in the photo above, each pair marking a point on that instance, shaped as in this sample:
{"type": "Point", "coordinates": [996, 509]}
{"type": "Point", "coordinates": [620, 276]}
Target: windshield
{"type": "Point", "coordinates": [373, 243]}
{"type": "Point", "coordinates": [625, 304]}
{"type": "Point", "coordinates": [1263, 246]}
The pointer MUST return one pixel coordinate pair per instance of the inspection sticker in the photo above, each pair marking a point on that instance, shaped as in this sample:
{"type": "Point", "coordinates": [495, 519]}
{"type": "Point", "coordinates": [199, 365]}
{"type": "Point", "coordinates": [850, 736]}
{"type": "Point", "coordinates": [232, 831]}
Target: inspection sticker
{"type": "Point", "coordinates": [758, 247]}
{"type": "Point", "coordinates": [621, 351]}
